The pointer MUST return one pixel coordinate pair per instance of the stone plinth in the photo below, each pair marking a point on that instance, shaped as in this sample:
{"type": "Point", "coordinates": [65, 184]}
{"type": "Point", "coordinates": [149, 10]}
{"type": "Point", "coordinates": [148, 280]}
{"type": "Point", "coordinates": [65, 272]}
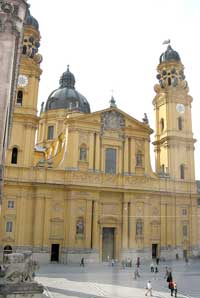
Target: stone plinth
{"type": "Point", "coordinates": [26, 290]}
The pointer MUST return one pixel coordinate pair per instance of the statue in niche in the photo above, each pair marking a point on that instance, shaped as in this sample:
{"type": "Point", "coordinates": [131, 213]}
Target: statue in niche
{"type": "Point", "coordinates": [80, 226]}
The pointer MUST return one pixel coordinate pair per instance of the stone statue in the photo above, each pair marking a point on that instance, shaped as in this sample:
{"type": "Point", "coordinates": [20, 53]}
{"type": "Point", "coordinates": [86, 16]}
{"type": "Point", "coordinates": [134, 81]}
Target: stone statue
{"type": "Point", "coordinates": [18, 268]}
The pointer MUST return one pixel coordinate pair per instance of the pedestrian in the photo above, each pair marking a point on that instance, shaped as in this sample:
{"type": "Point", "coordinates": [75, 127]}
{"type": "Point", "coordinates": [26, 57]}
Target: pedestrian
{"type": "Point", "coordinates": [156, 269]}
{"type": "Point", "coordinates": [135, 274]}
{"type": "Point", "coordinates": [123, 264]}
{"type": "Point", "coordinates": [171, 287]}
{"type": "Point", "coordinates": [113, 262]}
{"type": "Point", "coordinates": [82, 263]}
{"type": "Point", "coordinates": [169, 277]}
{"type": "Point", "coordinates": [149, 288]}
{"type": "Point", "coordinates": [175, 289]}
{"type": "Point", "coordinates": [166, 272]}
{"type": "Point", "coordinates": [138, 262]}
{"type": "Point", "coordinates": [152, 267]}
{"type": "Point", "coordinates": [157, 261]}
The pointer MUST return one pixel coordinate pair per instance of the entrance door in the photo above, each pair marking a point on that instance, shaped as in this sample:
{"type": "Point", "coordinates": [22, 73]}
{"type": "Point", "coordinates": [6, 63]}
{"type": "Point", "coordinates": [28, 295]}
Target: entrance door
{"type": "Point", "coordinates": [55, 252]}
{"type": "Point", "coordinates": [185, 255]}
{"type": "Point", "coordinates": [154, 250]}
{"type": "Point", "coordinates": [108, 244]}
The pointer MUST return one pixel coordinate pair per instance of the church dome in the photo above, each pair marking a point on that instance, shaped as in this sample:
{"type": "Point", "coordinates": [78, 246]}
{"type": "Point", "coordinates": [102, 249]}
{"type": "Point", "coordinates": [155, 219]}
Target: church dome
{"type": "Point", "coordinates": [66, 96]}
{"type": "Point", "coordinates": [169, 55]}
{"type": "Point", "coordinates": [31, 21]}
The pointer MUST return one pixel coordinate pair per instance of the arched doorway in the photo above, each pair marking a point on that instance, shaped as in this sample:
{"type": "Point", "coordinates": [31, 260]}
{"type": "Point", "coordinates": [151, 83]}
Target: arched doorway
{"type": "Point", "coordinates": [7, 249]}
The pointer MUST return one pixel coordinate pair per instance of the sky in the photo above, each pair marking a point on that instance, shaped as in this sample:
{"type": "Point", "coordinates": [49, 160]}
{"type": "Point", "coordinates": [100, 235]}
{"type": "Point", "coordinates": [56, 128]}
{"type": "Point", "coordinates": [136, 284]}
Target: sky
{"type": "Point", "coordinates": [113, 47]}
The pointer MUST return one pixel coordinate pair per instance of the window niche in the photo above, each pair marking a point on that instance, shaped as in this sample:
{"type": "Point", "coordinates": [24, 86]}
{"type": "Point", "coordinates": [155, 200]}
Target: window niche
{"type": "Point", "coordinates": [83, 153]}
{"type": "Point", "coordinates": [182, 171]}
{"type": "Point", "coordinates": [139, 159]}
{"type": "Point", "coordinates": [185, 231]}
{"type": "Point", "coordinates": [9, 227]}
{"type": "Point", "coordinates": [50, 132]}
{"type": "Point", "coordinates": [139, 228]}
{"type": "Point", "coordinates": [14, 155]}
{"type": "Point", "coordinates": [162, 124]}
{"type": "Point", "coordinates": [80, 227]}
{"type": "Point", "coordinates": [180, 123]}
{"type": "Point", "coordinates": [20, 97]}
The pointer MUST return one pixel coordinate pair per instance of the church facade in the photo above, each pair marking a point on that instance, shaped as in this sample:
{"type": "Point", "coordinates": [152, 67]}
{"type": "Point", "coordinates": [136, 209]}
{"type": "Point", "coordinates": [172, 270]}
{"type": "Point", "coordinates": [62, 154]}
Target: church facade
{"type": "Point", "coordinates": [87, 189]}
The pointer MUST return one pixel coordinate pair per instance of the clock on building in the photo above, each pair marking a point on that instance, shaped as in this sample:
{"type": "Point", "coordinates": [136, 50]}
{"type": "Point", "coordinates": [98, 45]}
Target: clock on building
{"type": "Point", "coordinates": [180, 108]}
{"type": "Point", "coordinates": [22, 81]}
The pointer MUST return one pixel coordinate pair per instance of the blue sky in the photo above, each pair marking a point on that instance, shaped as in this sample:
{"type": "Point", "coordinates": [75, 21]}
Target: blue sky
{"type": "Point", "coordinates": [115, 45]}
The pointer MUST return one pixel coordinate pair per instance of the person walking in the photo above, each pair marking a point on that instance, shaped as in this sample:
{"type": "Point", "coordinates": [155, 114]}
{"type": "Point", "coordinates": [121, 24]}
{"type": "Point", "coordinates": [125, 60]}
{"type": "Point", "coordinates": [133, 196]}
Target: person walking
{"type": "Point", "coordinates": [171, 287]}
{"type": "Point", "coordinates": [166, 272]}
{"type": "Point", "coordinates": [157, 261]}
{"type": "Point", "coordinates": [138, 262]}
{"type": "Point", "coordinates": [82, 263]}
{"type": "Point", "coordinates": [175, 289]}
{"type": "Point", "coordinates": [149, 288]}
{"type": "Point", "coordinates": [152, 267]}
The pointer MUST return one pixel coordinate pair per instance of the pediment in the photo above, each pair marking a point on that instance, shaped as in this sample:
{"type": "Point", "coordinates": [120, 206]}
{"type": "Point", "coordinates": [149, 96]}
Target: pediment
{"type": "Point", "coordinates": [112, 119]}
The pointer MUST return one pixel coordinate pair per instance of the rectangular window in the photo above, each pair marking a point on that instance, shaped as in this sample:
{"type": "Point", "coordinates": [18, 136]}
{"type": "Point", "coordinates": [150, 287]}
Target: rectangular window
{"type": "Point", "coordinates": [9, 226]}
{"type": "Point", "coordinates": [11, 204]}
{"type": "Point", "coordinates": [50, 132]}
{"type": "Point", "coordinates": [184, 211]}
{"type": "Point", "coordinates": [110, 161]}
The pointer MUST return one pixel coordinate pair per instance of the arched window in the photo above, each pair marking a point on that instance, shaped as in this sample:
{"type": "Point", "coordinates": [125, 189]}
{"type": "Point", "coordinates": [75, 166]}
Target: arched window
{"type": "Point", "coordinates": [24, 50]}
{"type": "Point", "coordinates": [182, 171]}
{"type": "Point", "coordinates": [180, 123]}
{"type": "Point", "coordinates": [83, 154]}
{"type": "Point", "coordinates": [14, 155]}
{"type": "Point", "coordinates": [80, 226]}
{"type": "Point", "coordinates": [19, 97]}
{"type": "Point", "coordinates": [139, 227]}
{"type": "Point", "coordinates": [139, 159]}
{"type": "Point", "coordinates": [162, 124]}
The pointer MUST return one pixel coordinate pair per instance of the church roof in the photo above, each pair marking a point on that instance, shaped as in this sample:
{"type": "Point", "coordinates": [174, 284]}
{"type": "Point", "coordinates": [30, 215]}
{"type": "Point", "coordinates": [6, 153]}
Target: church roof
{"type": "Point", "coordinates": [169, 55]}
{"type": "Point", "coordinates": [66, 96]}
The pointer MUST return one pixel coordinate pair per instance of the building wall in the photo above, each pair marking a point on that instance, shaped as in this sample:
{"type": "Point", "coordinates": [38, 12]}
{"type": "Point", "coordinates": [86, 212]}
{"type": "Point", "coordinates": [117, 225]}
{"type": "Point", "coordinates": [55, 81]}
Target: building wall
{"type": "Point", "coordinates": [11, 34]}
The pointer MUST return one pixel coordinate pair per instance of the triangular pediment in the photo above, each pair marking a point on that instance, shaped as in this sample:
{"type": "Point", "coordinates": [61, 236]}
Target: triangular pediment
{"type": "Point", "coordinates": [112, 119]}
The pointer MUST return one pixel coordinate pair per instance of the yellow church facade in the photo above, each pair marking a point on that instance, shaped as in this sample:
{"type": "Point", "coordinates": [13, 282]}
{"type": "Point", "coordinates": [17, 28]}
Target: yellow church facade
{"type": "Point", "coordinates": [87, 189]}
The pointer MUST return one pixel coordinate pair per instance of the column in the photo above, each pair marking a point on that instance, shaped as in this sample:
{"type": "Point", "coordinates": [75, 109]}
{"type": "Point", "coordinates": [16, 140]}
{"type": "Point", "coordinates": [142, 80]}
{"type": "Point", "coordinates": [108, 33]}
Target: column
{"type": "Point", "coordinates": [88, 223]}
{"type": "Point", "coordinates": [46, 227]}
{"type": "Point", "coordinates": [132, 156]}
{"type": "Point", "coordinates": [21, 221]}
{"type": "Point", "coordinates": [38, 221]}
{"type": "Point", "coordinates": [163, 236]}
{"type": "Point", "coordinates": [97, 155]}
{"type": "Point", "coordinates": [126, 156]}
{"type": "Point", "coordinates": [91, 151]}
{"type": "Point", "coordinates": [125, 226]}
{"type": "Point", "coordinates": [119, 162]}
{"type": "Point", "coordinates": [95, 234]}
{"type": "Point", "coordinates": [132, 225]}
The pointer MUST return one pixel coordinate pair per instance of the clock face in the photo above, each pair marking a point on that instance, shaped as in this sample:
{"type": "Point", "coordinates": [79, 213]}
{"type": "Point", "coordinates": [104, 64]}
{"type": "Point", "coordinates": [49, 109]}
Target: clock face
{"type": "Point", "coordinates": [180, 108]}
{"type": "Point", "coordinates": [22, 81]}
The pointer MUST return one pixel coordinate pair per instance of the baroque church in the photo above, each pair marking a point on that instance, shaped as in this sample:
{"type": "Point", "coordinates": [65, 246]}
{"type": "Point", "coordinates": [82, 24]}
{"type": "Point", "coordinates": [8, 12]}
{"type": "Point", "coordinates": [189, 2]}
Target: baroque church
{"type": "Point", "coordinates": [85, 187]}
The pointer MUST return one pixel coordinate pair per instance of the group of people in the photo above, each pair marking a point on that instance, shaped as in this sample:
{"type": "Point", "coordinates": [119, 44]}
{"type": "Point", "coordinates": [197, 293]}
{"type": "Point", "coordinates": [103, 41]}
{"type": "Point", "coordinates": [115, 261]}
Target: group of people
{"type": "Point", "coordinates": [171, 284]}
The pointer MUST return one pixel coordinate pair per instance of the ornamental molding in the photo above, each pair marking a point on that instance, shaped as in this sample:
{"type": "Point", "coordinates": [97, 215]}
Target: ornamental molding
{"type": "Point", "coordinates": [112, 120]}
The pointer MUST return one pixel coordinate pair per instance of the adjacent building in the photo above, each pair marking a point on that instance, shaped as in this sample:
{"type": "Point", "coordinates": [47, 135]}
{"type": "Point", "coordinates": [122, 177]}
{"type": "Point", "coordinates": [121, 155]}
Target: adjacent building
{"type": "Point", "coordinates": [87, 188]}
{"type": "Point", "coordinates": [12, 16]}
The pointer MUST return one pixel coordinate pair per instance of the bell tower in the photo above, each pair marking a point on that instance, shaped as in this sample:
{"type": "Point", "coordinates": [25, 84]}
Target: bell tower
{"type": "Point", "coordinates": [174, 142]}
{"type": "Point", "coordinates": [25, 119]}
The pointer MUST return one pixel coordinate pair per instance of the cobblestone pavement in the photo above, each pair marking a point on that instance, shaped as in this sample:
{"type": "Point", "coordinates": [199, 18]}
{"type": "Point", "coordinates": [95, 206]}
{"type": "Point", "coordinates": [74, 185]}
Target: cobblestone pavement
{"type": "Point", "coordinates": [96, 281]}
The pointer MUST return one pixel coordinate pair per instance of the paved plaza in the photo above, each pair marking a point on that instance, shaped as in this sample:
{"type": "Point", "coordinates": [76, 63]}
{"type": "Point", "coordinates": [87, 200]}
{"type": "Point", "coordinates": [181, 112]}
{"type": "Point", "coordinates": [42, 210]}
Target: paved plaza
{"type": "Point", "coordinates": [103, 280]}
